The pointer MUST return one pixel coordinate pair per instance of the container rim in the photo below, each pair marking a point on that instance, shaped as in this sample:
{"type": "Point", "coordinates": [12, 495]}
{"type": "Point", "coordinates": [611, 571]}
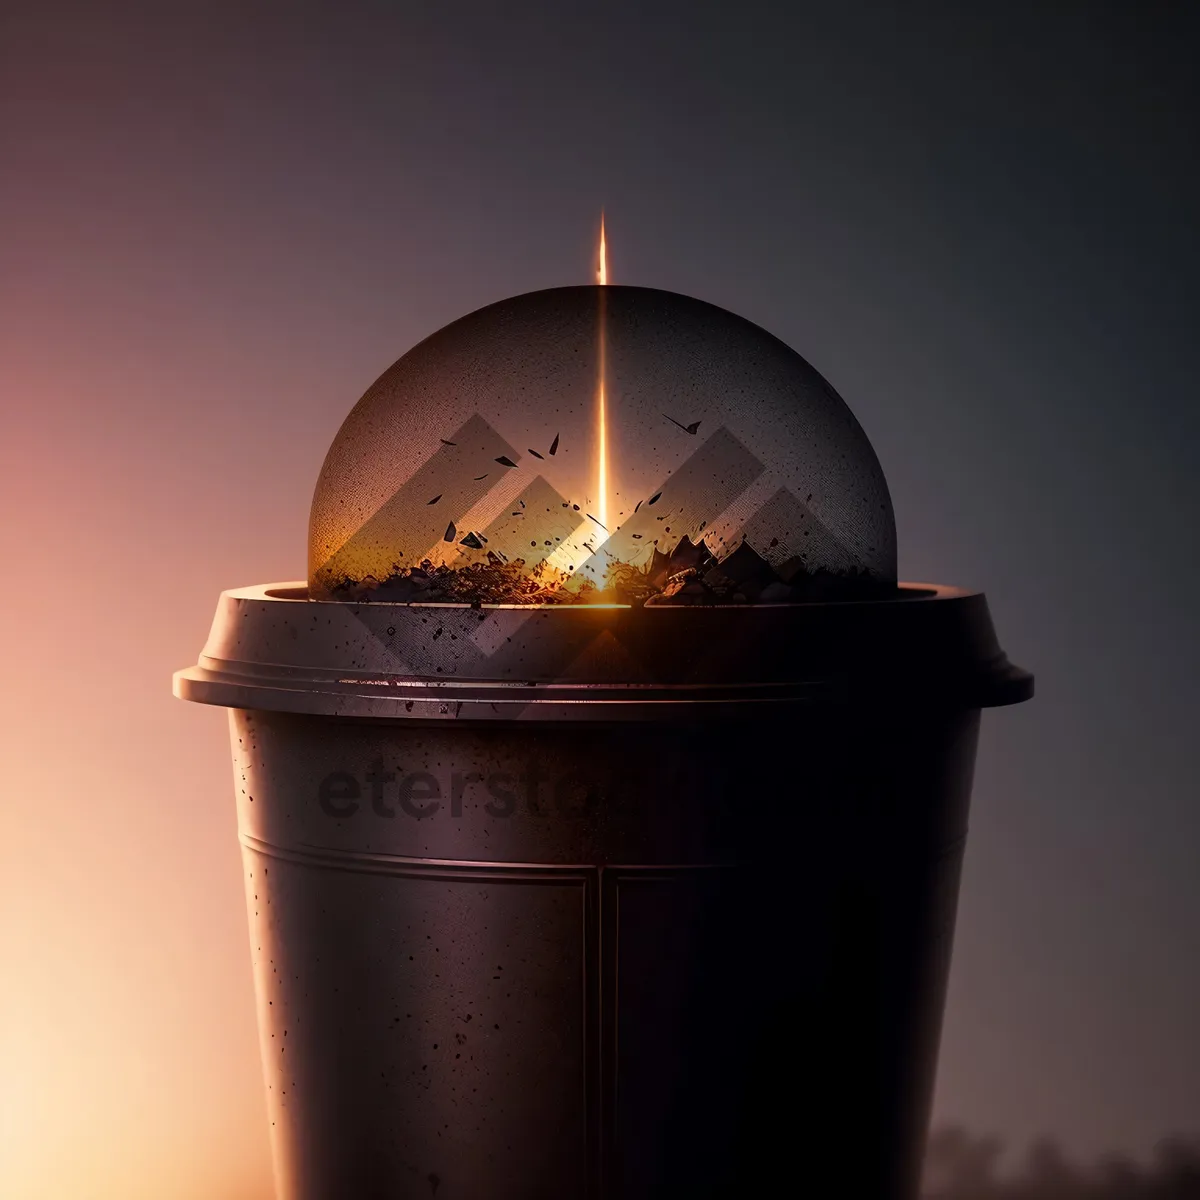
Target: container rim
{"type": "Point", "coordinates": [272, 648]}
{"type": "Point", "coordinates": [298, 593]}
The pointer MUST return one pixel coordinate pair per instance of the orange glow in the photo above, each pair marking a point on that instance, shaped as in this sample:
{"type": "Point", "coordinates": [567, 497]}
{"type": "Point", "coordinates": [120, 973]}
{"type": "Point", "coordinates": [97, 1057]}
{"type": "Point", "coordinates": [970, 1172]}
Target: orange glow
{"type": "Point", "coordinates": [602, 269]}
{"type": "Point", "coordinates": [602, 396]}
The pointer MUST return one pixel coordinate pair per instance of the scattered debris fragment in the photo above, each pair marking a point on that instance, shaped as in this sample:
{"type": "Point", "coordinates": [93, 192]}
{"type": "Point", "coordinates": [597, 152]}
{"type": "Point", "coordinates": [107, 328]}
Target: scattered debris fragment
{"type": "Point", "coordinates": [537, 455]}
{"type": "Point", "coordinates": [450, 534]}
{"type": "Point", "coordinates": [505, 461]}
{"type": "Point", "coordinates": [686, 428]}
{"type": "Point", "coordinates": [554, 446]}
{"type": "Point", "coordinates": [435, 499]}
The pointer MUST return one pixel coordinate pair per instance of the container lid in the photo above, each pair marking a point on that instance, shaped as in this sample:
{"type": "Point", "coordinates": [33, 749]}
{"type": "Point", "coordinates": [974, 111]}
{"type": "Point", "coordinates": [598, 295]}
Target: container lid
{"type": "Point", "coordinates": [273, 648]}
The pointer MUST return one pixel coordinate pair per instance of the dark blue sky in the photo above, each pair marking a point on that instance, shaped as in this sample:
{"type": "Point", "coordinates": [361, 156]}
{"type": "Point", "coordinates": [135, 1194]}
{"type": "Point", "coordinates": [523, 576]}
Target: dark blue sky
{"type": "Point", "coordinates": [977, 221]}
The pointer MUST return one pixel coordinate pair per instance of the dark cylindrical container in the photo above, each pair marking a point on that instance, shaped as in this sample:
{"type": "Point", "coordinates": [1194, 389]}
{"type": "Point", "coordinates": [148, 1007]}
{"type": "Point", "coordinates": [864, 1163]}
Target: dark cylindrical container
{"type": "Point", "coordinates": [601, 903]}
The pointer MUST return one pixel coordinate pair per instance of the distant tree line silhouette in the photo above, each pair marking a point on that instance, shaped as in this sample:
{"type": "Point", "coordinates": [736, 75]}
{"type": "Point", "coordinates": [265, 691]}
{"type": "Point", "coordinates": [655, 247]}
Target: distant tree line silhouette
{"type": "Point", "coordinates": [960, 1165]}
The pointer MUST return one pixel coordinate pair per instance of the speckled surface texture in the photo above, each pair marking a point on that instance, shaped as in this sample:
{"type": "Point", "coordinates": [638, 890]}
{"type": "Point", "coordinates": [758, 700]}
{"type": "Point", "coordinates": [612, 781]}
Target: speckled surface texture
{"type": "Point", "coordinates": [598, 902]}
{"type": "Point", "coordinates": [573, 963]}
{"type": "Point", "coordinates": [479, 448]}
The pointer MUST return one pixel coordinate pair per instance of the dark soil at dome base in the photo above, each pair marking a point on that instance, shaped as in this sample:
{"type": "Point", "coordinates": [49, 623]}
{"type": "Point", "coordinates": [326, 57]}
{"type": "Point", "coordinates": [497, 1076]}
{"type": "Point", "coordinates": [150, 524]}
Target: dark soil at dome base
{"type": "Point", "coordinates": [690, 575]}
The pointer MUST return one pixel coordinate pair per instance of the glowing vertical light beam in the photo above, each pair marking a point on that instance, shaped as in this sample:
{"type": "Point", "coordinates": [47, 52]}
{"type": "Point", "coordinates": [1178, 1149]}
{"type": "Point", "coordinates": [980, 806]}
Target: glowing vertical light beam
{"type": "Point", "coordinates": [602, 392]}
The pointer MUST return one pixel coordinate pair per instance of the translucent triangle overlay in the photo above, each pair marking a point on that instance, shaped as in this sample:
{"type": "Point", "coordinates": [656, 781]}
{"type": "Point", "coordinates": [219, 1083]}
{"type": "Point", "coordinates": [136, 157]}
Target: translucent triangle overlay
{"type": "Point", "coordinates": [537, 521]}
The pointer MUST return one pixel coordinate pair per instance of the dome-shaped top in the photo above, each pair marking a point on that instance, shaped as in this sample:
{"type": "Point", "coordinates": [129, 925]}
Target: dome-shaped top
{"type": "Point", "coordinates": [601, 443]}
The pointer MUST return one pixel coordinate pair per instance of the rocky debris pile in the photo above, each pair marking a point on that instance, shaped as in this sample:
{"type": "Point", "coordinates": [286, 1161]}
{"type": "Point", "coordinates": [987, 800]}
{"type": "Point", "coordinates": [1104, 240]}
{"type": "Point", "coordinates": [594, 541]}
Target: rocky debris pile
{"type": "Point", "coordinates": [494, 581]}
{"type": "Point", "coordinates": [691, 574]}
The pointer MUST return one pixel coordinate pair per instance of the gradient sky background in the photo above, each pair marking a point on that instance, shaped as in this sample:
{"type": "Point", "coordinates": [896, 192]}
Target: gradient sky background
{"type": "Point", "coordinates": [217, 228]}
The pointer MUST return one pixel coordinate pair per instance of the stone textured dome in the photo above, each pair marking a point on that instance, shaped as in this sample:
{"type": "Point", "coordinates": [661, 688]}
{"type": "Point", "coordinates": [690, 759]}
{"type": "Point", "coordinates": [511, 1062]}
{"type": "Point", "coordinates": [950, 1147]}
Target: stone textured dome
{"type": "Point", "coordinates": [601, 443]}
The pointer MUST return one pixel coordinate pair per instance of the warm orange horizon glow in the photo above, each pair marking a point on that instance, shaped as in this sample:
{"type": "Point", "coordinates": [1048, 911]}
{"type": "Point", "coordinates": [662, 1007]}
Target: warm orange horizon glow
{"type": "Point", "coordinates": [602, 395]}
